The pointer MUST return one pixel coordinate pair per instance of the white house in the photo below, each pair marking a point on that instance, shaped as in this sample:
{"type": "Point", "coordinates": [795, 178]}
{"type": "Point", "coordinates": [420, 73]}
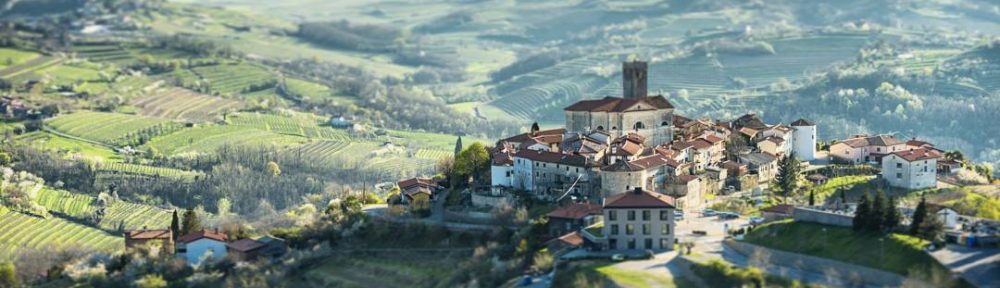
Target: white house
{"type": "Point", "coordinates": [804, 139]}
{"type": "Point", "coordinates": [911, 169]}
{"type": "Point", "coordinates": [863, 148]}
{"type": "Point", "coordinates": [202, 245]}
{"type": "Point", "coordinates": [639, 220]}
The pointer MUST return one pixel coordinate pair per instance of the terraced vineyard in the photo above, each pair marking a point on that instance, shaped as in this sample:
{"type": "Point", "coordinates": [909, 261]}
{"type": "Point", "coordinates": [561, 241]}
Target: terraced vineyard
{"type": "Point", "coordinates": [184, 104]}
{"type": "Point", "coordinates": [137, 169]}
{"type": "Point", "coordinates": [20, 231]}
{"type": "Point", "coordinates": [111, 128]}
{"type": "Point", "coordinates": [320, 150]}
{"type": "Point", "coordinates": [24, 70]}
{"type": "Point", "coordinates": [431, 154]}
{"type": "Point", "coordinates": [10, 56]}
{"type": "Point", "coordinates": [234, 79]}
{"type": "Point", "coordinates": [306, 88]}
{"type": "Point", "coordinates": [120, 214]}
{"type": "Point", "coordinates": [207, 139]}
{"type": "Point", "coordinates": [304, 125]}
{"type": "Point", "coordinates": [102, 53]}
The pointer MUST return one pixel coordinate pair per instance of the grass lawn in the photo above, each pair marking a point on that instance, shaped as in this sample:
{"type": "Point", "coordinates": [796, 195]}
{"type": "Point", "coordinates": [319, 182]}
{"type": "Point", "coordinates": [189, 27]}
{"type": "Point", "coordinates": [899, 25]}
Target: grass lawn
{"type": "Point", "coordinates": [831, 186]}
{"type": "Point", "coordinates": [896, 253]}
{"type": "Point", "coordinates": [602, 273]}
{"type": "Point", "coordinates": [87, 150]}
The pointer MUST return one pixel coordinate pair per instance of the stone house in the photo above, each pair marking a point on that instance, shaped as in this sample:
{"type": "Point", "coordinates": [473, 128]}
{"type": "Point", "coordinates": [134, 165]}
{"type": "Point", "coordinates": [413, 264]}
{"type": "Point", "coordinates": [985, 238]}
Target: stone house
{"type": "Point", "coordinates": [638, 220]}
{"type": "Point", "coordinates": [149, 237]}
{"type": "Point", "coordinates": [573, 217]}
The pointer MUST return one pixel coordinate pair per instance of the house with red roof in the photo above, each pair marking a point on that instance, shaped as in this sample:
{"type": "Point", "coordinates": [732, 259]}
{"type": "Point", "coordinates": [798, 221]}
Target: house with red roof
{"type": "Point", "coordinates": [573, 217]}
{"type": "Point", "coordinates": [911, 169]}
{"type": "Point", "coordinates": [637, 220]}
{"type": "Point", "coordinates": [202, 245]}
{"type": "Point", "coordinates": [148, 238]}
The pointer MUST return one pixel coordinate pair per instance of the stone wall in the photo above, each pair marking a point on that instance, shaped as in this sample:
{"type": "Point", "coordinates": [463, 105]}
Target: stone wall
{"type": "Point", "coordinates": [835, 271]}
{"type": "Point", "coordinates": [822, 217]}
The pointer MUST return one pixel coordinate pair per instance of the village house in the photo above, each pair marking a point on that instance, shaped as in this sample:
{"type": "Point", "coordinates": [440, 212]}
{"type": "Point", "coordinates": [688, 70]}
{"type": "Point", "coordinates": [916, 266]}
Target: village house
{"type": "Point", "coordinates": [804, 139]}
{"type": "Point", "coordinates": [911, 169]}
{"type": "Point", "coordinates": [764, 165]}
{"type": "Point", "coordinates": [646, 173]}
{"type": "Point", "coordinates": [244, 249]}
{"type": "Point", "coordinates": [415, 188]}
{"type": "Point", "coordinates": [202, 245]}
{"type": "Point", "coordinates": [686, 191]}
{"type": "Point", "coordinates": [549, 175]}
{"type": "Point", "coordinates": [863, 148]}
{"type": "Point", "coordinates": [639, 219]}
{"type": "Point", "coordinates": [149, 238]}
{"type": "Point", "coordinates": [573, 217]}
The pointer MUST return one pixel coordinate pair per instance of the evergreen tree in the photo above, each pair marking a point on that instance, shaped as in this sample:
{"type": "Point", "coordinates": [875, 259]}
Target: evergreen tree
{"type": "Point", "coordinates": [877, 213]}
{"type": "Point", "coordinates": [175, 225]}
{"type": "Point", "coordinates": [458, 146]}
{"type": "Point", "coordinates": [534, 128]}
{"type": "Point", "coordinates": [788, 175]}
{"type": "Point", "coordinates": [918, 216]}
{"type": "Point", "coordinates": [191, 222]}
{"type": "Point", "coordinates": [862, 213]}
{"type": "Point", "coordinates": [891, 219]}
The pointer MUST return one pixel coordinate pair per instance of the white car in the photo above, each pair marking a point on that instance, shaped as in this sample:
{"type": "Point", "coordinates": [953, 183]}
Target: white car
{"type": "Point", "coordinates": [708, 213]}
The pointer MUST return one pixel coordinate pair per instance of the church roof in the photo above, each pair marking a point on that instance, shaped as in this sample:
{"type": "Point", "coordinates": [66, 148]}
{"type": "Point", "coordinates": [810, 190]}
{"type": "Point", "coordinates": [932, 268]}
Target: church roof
{"type": "Point", "coordinates": [616, 104]}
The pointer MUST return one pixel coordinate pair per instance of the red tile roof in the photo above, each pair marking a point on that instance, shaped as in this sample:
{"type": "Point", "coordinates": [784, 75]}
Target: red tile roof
{"type": "Point", "coordinates": [204, 233]}
{"type": "Point", "coordinates": [527, 136]}
{"type": "Point", "coordinates": [148, 234]}
{"type": "Point", "coordinates": [245, 245]}
{"type": "Point", "coordinates": [918, 154]}
{"type": "Point", "coordinates": [684, 179]}
{"type": "Point", "coordinates": [553, 157]}
{"type": "Point", "coordinates": [638, 199]}
{"type": "Point", "coordinates": [712, 139]}
{"type": "Point", "coordinates": [572, 239]}
{"type": "Point", "coordinates": [877, 140]}
{"type": "Point", "coordinates": [616, 104]}
{"type": "Point", "coordinates": [918, 143]}
{"type": "Point", "coordinates": [575, 211]}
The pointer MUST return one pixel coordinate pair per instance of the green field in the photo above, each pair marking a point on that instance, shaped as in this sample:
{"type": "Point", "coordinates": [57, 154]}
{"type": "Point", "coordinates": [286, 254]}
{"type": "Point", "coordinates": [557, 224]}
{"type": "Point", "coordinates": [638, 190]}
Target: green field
{"type": "Point", "coordinates": [208, 138]}
{"type": "Point", "coordinates": [19, 232]}
{"type": "Point", "coordinates": [110, 128]}
{"type": "Point", "coordinates": [897, 253]}
{"type": "Point", "coordinates": [603, 273]}
{"type": "Point", "coordinates": [120, 214]}
{"type": "Point", "coordinates": [298, 124]}
{"type": "Point", "coordinates": [184, 104]}
{"type": "Point", "coordinates": [74, 148]}
{"type": "Point", "coordinates": [234, 79]}
{"type": "Point", "coordinates": [9, 56]}
{"type": "Point", "coordinates": [145, 170]}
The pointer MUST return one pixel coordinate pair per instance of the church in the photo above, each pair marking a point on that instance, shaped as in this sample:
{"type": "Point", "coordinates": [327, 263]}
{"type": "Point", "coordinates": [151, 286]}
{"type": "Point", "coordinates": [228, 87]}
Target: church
{"type": "Point", "coordinates": [634, 112]}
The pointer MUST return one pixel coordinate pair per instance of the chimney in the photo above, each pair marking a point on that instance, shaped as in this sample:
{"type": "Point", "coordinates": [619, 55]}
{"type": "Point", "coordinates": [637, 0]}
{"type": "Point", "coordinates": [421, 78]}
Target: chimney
{"type": "Point", "coordinates": [634, 79]}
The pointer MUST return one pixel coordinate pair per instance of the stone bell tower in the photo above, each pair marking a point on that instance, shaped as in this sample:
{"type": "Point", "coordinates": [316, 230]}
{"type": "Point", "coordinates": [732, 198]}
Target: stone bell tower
{"type": "Point", "coordinates": [634, 79]}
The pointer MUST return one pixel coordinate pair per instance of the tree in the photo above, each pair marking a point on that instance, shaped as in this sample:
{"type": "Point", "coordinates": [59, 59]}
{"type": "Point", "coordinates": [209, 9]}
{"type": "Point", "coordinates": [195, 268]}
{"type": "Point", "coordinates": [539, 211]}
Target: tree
{"type": "Point", "coordinates": [918, 216]}
{"type": "Point", "coordinates": [458, 146]}
{"type": "Point", "coordinates": [191, 222]}
{"type": "Point", "coordinates": [788, 175]}
{"type": "Point", "coordinates": [472, 161]}
{"type": "Point", "coordinates": [931, 228]}
{"type": "Point", "coordinates": [151, 281]}
{"type": "Point", "coordinates": [175, 225]}
{"type": "Point", "coordinates": [812, 197]}
{"type": "Point", "coordinates": [875, 219]}
{"type": "Point", "coordinates": [861, 214]}
{"type": "Point", "coordinates": [8, 275]}
{"type": "Point", "coordinates": [272, 167]}
{"type": "Point", "coordinates": [891, 215]}
{"type": "Point", "coordinates": [534, 128]}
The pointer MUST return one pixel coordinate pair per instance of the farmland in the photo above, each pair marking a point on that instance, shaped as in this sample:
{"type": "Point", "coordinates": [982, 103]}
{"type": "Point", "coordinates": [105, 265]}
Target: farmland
{"type": "Point", "coordinates": [298, 124]}
{"type": "Point", "coordinates": [138, 169]}
{"type": "Point", "coordinates": [111, 128]}
{"type": "Point", "coordinates": [73, 148]}
{"type": "Point", "coordinates": [120, 214]}
{"type": "Point", "coordinates": [236, 79]}
{"type": "Point", "coordinates": [208, 138]}
{"type": "Point", "coordinates": [184, 104]}
{"type": "Point", "coordinates": [20, 232]}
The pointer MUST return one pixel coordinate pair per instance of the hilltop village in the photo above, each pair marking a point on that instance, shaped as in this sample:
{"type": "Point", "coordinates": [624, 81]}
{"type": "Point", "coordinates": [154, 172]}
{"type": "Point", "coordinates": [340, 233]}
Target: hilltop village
{"type": "Point", "coordinates": [628, 177]}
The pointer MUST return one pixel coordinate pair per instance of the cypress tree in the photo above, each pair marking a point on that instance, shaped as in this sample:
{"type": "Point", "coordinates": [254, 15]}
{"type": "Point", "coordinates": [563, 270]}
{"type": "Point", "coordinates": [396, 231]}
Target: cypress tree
{"type": "Point", "coordinates": [534, 128]}
{"type": "Point", "coordinates": [891, 219]}
{"type": "Point", "coordinates": [862, 213]}
{"type": "Point", "coordinates": [458, 146]}
{"type": "Point", "coordinates": [175, 225]}
{"type": "Point", "coordinates": [877, 213]}
{"type": "Point", "coordinates": [918, 216]}
{"type": "Point", "coordinates": [788, 175]}
{"type": "Point", "coordinates": [812, 198]}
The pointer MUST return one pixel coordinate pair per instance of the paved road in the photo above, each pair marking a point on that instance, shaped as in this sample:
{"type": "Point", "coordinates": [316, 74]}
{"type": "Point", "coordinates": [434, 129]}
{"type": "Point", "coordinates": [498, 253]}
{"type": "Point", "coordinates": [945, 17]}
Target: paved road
{"type": "Point", "coordinates": [981, 267]}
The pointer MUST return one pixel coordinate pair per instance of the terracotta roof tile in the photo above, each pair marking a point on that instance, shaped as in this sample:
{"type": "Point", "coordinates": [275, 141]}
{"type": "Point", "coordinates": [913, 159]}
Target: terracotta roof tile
{"type": "Point", "coordinates": [616, 104]}
{"type": "Point", "coordinates": [638, 199]}
{"type": "Point", "coordinates": [148, 234]}
{"type": "Point", "coordinates": [572, 239]}
{"type": "Point", "coordinates": [918, 154]}
{"type": "Point", "coordinates": [575, 211]}
{"type": "Point", "coordinates": [204, 233]}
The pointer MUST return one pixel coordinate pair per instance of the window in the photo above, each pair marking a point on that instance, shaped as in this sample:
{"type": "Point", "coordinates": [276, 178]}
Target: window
{"type": "Point", "coordinates": [899, 175]}
{"type": "Point", "coordinates": [645, 229]}
{"type": "Point", "coordinates": [631, 243]}
{"type": "Point", "coordinates": [664, 229]}
{"type": "Point", "coordinates": [645, 215]}
{"type": "Point", "coordinates": [614, 229]}
{"type": "Point", "coordinates": [639, 125]}
{"type": "Point", "coordinates": [613, 244]}
{"type": "Point", "coordinates": [664, 244]}
{"type": "Point", "coordinates": [664, 123]}
{"type": "Point", "coordinates": [664, 215]}
{"type": "Point", "coordinates": [629, 229]}
{"type": "Point", "coordinates": [649, 243]}
{"type": "Point", "coordinates": [612, 215]}
{"type": "Point", "coordinates": [899, 165]}
{"type": "Point", "coordinates": [879, 149]}
{"type": "Point", "coordinates": [631, 215]}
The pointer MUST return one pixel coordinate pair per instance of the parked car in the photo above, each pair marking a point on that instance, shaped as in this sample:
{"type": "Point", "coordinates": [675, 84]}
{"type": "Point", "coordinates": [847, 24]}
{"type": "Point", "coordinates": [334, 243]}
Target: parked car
{"type": "Point", "coordinates": [618, 257]}
{"type": "Point", "coordinates": [708, 212]}
{"type": "Point", "coordinates": [679, 214]}
{"type": "Point", "coordinates": [728, 215]}
{"type": "Point", "coordinates": [756, 220]}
